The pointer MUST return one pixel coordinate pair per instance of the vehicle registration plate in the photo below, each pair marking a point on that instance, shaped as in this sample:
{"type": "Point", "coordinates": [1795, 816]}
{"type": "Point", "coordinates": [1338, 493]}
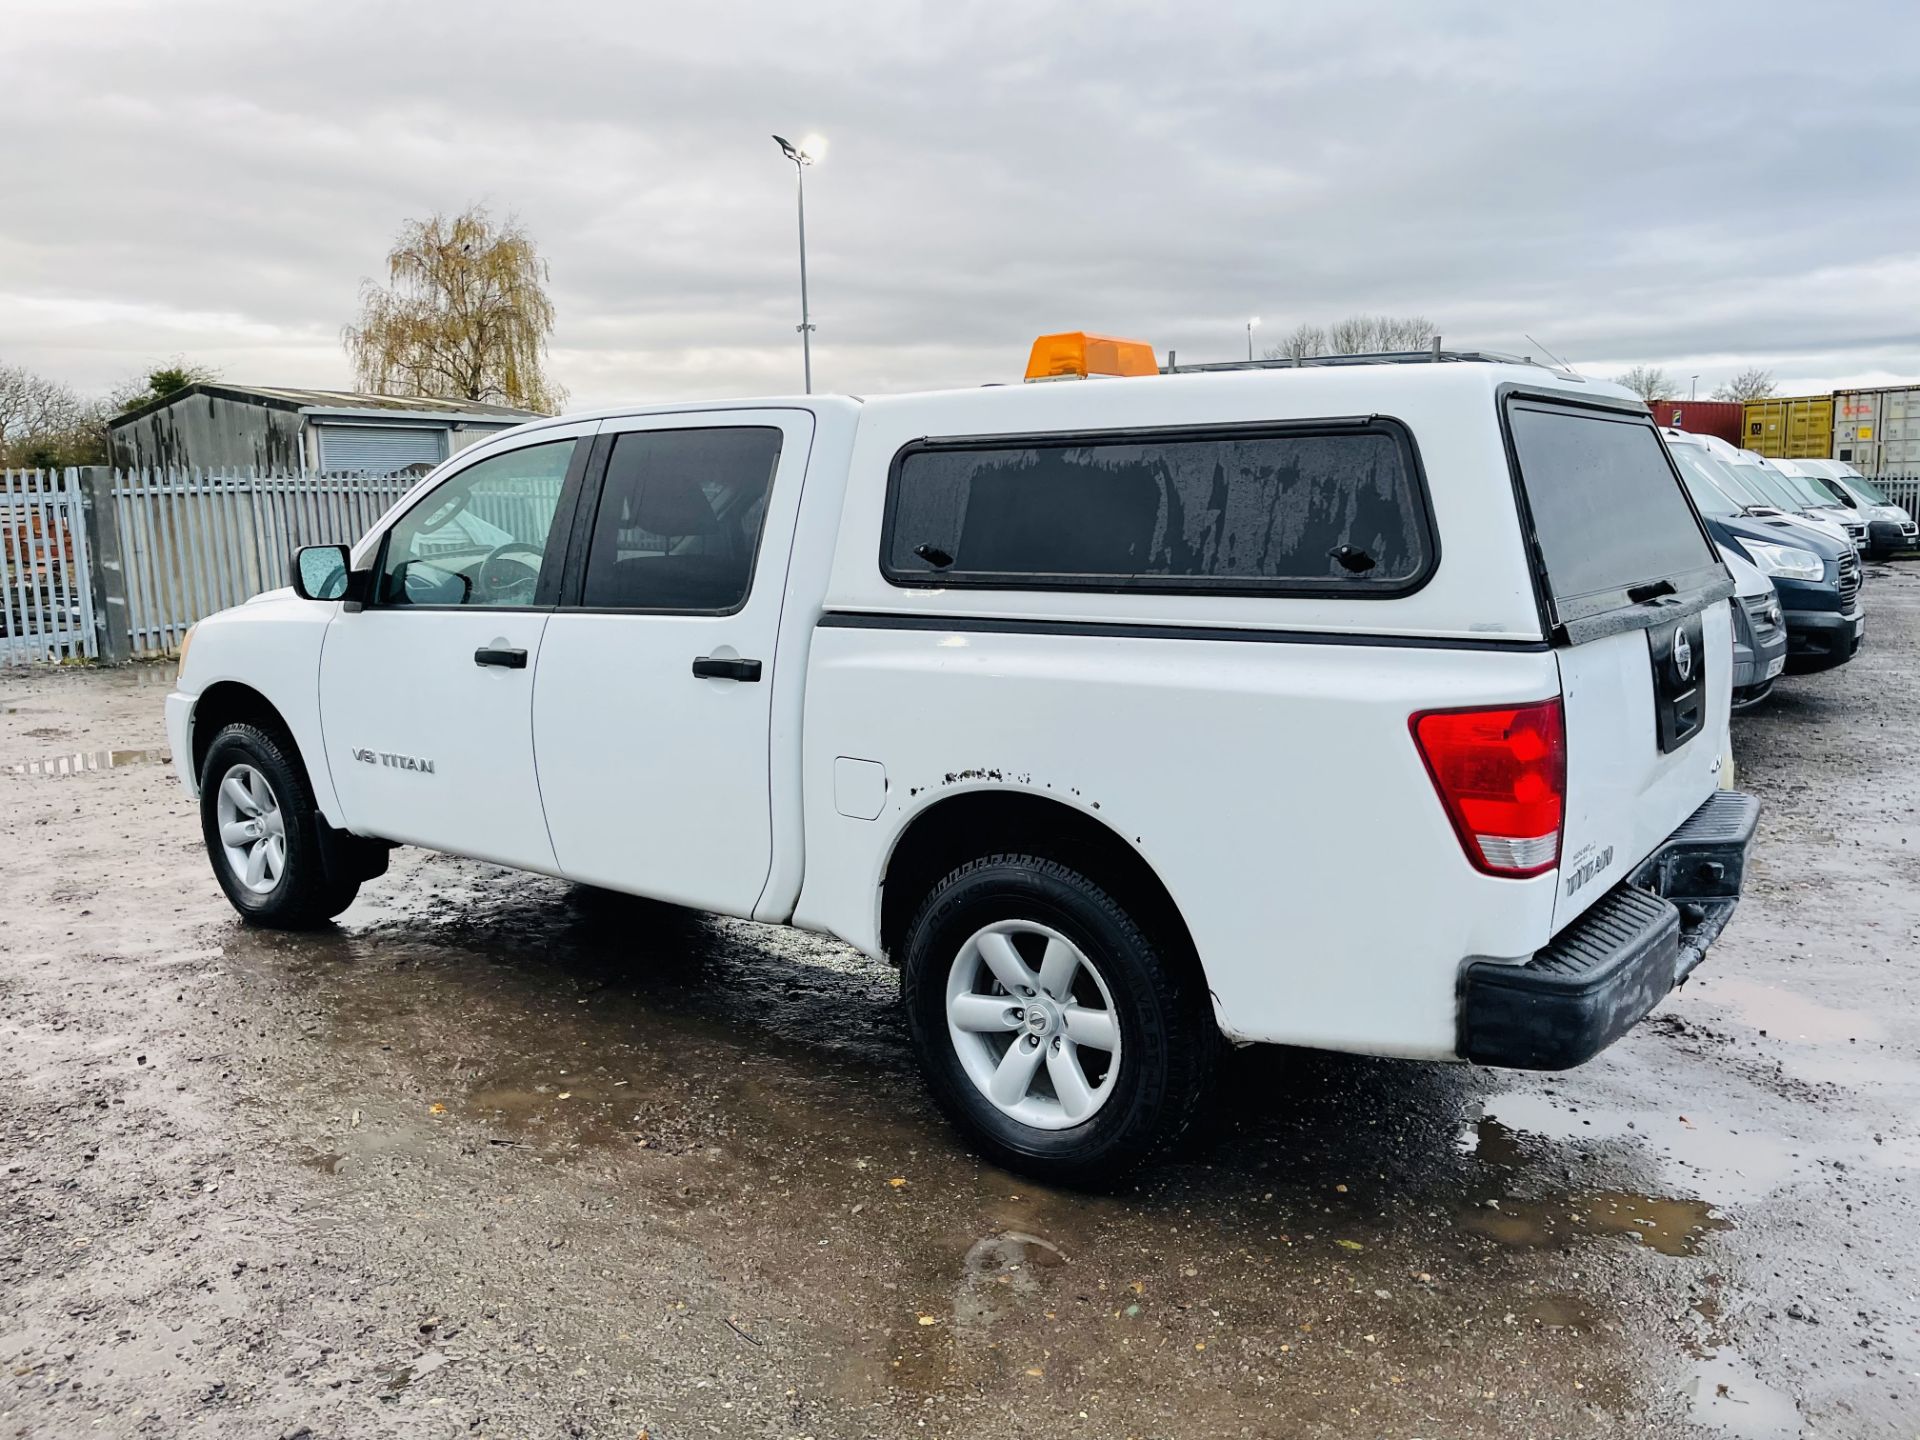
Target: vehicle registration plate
{"type": "Point", "coordinates": [1776, 665]}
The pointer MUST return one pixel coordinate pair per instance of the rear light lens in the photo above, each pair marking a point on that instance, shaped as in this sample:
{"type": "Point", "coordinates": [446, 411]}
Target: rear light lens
{"type": "Point", "coordinates": [1502, 778]}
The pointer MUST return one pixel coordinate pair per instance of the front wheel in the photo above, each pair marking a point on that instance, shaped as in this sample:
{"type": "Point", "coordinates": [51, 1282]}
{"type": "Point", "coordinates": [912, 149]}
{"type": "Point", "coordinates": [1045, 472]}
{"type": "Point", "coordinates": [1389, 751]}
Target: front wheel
{"type": "Point", "coordinates": [1066, 1041]}
{"type": "Point", "coordinates": [263, 833]}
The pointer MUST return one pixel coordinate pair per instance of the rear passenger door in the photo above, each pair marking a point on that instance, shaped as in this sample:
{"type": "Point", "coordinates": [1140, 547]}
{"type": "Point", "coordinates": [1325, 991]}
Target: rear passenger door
{"type": "Point", "coordinates": [1635, 596]}
{"type": "Point", "coordinates": [651, 709]}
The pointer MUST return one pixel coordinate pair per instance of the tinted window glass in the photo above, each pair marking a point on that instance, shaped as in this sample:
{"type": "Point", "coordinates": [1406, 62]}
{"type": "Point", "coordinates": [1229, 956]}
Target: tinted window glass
{"type": "Point", "coordinates": [1277, 511]}
{"type": "Point", "coordinates": [679, 519]}
{"type": "Point", "coordinates": [1606, 506]}
{"type": "Point", "coordinates": [479, 537]}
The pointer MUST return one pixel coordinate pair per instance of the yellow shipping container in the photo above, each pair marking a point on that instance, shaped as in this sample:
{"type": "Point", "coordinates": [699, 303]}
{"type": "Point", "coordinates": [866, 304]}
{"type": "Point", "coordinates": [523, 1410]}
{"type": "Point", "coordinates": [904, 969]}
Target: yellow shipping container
{"type": "Point", "coordinates": [1796, 427]}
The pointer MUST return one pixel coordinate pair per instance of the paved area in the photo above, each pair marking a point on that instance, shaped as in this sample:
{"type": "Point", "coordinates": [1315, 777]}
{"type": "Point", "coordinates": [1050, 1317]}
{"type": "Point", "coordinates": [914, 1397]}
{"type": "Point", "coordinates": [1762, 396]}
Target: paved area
{"type": "Point", "coordinates": [499, 1157]}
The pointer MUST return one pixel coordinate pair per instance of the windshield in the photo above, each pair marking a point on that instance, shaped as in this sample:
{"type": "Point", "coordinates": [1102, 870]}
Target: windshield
{"type": "Point", "coordinates": [1768, 484]}
{"type": "Point", "coordinates": [1867, 490]}
{"type": "Point", "coordinates": [1704, 481]}
{"type": "Point", "coordinates": [1808, 489]}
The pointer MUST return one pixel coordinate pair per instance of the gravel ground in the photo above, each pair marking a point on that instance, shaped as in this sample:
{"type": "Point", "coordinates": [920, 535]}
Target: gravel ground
{"type": "Point", "coordinates": [499, 1157]}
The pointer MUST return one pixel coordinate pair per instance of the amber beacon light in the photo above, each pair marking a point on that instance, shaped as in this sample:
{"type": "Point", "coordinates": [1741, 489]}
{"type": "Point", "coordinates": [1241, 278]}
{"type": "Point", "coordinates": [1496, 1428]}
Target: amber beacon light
{"type": "Point", "coordinates": [1076, 353]}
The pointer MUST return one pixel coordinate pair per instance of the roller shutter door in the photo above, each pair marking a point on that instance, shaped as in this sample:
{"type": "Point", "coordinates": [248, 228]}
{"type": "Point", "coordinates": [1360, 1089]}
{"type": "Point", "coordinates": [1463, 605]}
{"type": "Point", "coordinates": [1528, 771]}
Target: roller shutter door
{"type": "Point", "coordinates": [378, 449]}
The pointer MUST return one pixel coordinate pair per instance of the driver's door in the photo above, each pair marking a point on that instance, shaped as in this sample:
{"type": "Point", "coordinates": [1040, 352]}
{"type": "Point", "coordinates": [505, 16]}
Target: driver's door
{"type": "Point", "coordinates": [426, 692]}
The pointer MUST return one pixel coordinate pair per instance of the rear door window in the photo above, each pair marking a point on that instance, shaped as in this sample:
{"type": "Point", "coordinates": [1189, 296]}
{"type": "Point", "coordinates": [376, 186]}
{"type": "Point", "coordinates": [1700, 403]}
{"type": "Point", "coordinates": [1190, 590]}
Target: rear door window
{"type": "Point", "coordinates": [1608, 511]}
{"type": "Point", "coordinates": [1338, 508]}
{"type": "Point", "coordinates": [678, 527]}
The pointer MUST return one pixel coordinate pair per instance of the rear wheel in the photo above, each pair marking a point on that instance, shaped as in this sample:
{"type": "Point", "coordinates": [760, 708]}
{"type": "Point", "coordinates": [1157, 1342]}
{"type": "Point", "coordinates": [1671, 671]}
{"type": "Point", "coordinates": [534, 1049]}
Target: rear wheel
{"type": "Point", "coordinates": [263, 833]}
{"type": "Point", "coordinates": [1051, 1027]}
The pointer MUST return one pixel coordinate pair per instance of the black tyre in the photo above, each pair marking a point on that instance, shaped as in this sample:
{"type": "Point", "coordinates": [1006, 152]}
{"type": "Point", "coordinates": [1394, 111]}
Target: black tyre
{"type": "Point", "coordinates": [1067, 1042]}
{"type": "Point", "coordinates": [263, 833]}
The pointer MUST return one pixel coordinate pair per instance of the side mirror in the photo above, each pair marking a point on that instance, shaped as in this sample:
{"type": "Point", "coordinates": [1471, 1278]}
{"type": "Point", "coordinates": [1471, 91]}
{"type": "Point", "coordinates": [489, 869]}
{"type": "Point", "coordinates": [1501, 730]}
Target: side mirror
{"type": "Point", "coordinates": [320, 572]}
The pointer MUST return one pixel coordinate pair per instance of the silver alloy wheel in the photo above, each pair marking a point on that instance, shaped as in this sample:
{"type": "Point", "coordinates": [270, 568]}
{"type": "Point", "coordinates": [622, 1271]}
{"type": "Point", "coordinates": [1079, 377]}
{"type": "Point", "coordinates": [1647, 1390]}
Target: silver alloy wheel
{"type": "Point", "coordinates": [253, 832]}
{"type": "Point", "coordinates": [1034, 1024]}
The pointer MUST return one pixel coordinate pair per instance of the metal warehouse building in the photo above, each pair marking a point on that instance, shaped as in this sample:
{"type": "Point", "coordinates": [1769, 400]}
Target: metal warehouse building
{"type": "Point", "coordinates": [213, 426]}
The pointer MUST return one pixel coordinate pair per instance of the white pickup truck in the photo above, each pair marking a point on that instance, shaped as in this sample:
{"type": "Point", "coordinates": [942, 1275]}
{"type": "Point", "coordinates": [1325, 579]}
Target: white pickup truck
{"type": "Point", "coordinates": [1377, 707]}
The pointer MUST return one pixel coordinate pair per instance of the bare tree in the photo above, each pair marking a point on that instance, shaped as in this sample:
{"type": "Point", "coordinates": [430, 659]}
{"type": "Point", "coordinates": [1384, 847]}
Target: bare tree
{"type": "Point", "coordinates": [1301, 343]}
{"type": "Point", "coordinates": [1380, 334]}
{"type": "Point", "coordinates": [44, 423]}
{"type": "Point", "coordinates": [1751, 384]}
{"type": "Point", "coordinates": [1649, 382]}
{"type": "Point", "coordinates": [465, 317]}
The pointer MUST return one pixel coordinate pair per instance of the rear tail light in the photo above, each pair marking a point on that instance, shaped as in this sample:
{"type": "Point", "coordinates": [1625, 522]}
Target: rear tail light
{"type": "Point", "coordinates": [1501, 774]}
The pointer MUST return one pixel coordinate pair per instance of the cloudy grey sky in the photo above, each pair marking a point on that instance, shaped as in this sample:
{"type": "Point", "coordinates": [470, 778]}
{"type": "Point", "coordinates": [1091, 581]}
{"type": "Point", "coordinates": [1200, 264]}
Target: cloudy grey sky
{"type": "Point", "coordinates": [1700, 186]}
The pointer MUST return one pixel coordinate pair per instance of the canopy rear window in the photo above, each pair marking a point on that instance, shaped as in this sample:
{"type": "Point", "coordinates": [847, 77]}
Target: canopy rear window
{"type": "Point", "coordinates": [1333, 507]}
{"type": "Point", "coordinates": [1608, 511]}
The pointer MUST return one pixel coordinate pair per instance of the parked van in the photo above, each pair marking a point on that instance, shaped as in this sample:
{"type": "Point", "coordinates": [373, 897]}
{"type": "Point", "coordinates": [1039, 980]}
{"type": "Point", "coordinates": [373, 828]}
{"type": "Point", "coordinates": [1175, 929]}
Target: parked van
{"type": "Point", "coordinates": [1812, 487]}
{"type": "Point", "coordinates": [1816, 577]}
{"type": "Point", "coordinates": [1756, 476]}
{"type": "Point", "coordinates": [1373, 706]}
{"type": "Point", "coordinates": [1759, 632]}
{"type": "Point", "coordinates": [1890, 529]}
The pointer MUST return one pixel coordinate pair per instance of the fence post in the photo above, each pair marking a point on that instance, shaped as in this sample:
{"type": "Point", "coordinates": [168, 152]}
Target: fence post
{"type": "Point", "coordinates": [107, 574]}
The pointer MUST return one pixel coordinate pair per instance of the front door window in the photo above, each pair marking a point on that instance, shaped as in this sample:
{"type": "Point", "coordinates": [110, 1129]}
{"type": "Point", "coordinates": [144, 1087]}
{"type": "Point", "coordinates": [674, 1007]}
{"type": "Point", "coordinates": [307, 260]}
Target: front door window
{"type": "Point", "coordinates": [480, 537]}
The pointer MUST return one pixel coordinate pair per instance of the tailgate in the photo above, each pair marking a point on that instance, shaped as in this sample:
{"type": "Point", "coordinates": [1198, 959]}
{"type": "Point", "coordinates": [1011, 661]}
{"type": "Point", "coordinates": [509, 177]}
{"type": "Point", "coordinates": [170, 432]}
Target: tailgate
{"type": "Point", "coordinates": [1636, 598]}
{"type": "Point", "coordinates": [1624, 698]}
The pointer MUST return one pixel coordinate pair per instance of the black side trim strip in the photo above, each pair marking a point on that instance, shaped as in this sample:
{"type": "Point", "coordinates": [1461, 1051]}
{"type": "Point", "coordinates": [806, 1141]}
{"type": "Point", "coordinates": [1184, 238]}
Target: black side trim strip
{"type": "Point", "coordinates": [1120, 630]}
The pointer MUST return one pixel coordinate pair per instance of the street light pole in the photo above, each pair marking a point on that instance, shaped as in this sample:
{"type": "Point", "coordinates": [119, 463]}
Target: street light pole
{"type": "Point", "coordinates": [1251, 322]}
{"type": "Point", "coordinates": [1693, 390]}
{"type": "Point", "coordinates": [803, 155]}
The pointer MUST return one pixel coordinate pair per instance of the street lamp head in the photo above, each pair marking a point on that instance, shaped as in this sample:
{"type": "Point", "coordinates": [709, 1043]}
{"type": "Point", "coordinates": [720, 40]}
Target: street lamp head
{"type": "Point", "coordinates": [810, 149]}
{"type": "Point", "coordinates": [1252, 320]}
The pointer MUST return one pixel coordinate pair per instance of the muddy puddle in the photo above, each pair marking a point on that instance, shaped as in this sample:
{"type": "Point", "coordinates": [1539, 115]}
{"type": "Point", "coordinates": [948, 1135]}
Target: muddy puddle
{"type": "Point", "coordinates": [1726, 1396]}
{"type": "Point", "coordinates": [85, 761]}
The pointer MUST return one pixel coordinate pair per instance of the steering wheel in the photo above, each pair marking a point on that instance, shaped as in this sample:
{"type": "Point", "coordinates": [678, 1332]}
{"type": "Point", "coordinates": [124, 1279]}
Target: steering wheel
{"type": "Point", "coordinates": [502, 583]}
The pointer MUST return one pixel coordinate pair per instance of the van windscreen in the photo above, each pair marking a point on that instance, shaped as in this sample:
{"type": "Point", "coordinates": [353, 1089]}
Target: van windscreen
{"type": "Point", "coordinates": [1608, 512]}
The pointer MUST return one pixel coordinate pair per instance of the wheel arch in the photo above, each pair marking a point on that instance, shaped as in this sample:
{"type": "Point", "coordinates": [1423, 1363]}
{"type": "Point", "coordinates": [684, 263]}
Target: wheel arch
{"type": "Point", "coordinates": [973, 823]}
{"type": "Point", "coordinates": [233, 702]}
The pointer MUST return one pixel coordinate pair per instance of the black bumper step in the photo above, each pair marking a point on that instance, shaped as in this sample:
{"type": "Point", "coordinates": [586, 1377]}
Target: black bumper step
{"type": "Point", "coordinates": [1600, 976]}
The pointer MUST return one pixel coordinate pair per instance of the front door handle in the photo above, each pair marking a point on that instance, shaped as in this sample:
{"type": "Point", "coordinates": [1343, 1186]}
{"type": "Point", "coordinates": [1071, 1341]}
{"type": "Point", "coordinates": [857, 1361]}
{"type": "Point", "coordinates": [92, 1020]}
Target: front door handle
{"type": "Point", "coordinates": [505, 659]}
{"type": "Point", "coordinates": [708, 667]}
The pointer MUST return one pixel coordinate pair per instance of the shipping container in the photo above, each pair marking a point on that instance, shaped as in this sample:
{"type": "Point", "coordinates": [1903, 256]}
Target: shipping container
{"type": "Point", "coordinates": [1701, 417]}
{"type": "Point", "coordinates": [1878, 431]}
{"type": "Point", "coordinates": [1798, 427]}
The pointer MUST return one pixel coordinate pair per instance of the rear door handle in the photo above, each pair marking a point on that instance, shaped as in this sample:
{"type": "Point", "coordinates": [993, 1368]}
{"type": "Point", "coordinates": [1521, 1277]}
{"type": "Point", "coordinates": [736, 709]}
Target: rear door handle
{"type": "Point", "coordinates": [709, 668]}
{"type": "Point", "coordinates": [505, 659]}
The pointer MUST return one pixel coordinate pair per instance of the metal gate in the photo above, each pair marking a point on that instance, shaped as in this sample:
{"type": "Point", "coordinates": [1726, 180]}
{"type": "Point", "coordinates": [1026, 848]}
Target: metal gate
{"type": "Point", "coordinates": [193, 542]}
{"type": "Point", "coordinates": [46, 594]}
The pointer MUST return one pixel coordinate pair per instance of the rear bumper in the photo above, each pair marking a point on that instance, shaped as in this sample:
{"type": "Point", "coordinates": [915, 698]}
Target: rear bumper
{"type": "Point", "coordinates": [1602, 975]}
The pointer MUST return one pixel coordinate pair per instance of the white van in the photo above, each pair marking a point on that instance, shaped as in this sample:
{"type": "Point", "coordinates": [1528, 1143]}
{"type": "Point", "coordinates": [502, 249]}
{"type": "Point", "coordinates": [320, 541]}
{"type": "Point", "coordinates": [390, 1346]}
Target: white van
{"type": "Point", "coordinates": [1890, 529]}
{"type": "Point", "coordinates": [1374, 707]}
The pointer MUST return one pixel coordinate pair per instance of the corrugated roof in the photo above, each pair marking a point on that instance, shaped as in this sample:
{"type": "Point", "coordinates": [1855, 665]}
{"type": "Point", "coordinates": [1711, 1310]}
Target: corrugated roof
{"type": "Point", "coordinates": [359, 400]}
{"type": "Point", "coordinates": [282, 397]}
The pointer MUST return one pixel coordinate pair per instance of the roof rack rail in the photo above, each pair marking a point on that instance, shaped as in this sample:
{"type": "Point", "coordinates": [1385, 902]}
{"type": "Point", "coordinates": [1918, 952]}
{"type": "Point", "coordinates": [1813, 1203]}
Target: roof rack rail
{"type": "Point", "coordinates": [1390, 357]}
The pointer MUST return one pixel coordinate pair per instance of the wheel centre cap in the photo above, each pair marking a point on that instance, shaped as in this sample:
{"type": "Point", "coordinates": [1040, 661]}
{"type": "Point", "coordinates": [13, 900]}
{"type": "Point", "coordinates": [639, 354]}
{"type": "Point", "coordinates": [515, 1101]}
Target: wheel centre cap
{"type": "Point", "coordinates": [1042, 1016]}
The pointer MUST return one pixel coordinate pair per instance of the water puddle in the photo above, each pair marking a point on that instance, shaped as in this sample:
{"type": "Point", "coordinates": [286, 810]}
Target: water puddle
{"type": "Point", "coordinates": [1725, 1394]}
{"type": "Point", "coordinates": [1698, 1147]}
{"type": "Point", "coordinates": [1661, 1223]}
{"type": "Point", "coordinates": [1786, 1015]}
{"type": "Point", "coordinates": [88, 760]}
{"type": "Point", "coordinates": [998, 1273]}
{"type": "Point", "coordinates": [1563, 1312]}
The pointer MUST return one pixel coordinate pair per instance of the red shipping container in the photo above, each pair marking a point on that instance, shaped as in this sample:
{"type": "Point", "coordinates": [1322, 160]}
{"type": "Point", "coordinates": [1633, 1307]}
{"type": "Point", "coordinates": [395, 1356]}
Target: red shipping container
{"type": "Point", "coordinates": [1702, 417]}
